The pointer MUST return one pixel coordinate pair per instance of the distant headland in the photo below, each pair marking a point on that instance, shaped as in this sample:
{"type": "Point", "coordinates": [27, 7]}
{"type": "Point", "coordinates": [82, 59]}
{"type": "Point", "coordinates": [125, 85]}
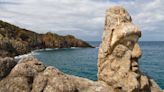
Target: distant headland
{"type": "Point", "coordinates": [17, 41]}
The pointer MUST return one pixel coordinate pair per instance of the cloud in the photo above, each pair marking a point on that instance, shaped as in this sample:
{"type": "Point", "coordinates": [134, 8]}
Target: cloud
{"type": "Point", "coordinates": [82, 18]}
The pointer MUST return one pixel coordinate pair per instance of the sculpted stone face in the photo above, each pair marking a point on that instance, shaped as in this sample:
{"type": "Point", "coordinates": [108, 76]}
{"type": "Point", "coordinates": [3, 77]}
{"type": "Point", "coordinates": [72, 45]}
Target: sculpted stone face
{"type": "Point", "coordinates": [119, 53]}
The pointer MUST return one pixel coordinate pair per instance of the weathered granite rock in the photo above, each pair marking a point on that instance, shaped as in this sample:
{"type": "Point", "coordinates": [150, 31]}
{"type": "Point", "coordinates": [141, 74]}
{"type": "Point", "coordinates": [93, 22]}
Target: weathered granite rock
{"type": "Point", "coordinates": [52, 80]}
{"type": "Point", "coordinates": [119, 53]}
{"type": "Point", "coordinates": [30, 75]}
{"type": "Point", "coordinates": [21, 76]}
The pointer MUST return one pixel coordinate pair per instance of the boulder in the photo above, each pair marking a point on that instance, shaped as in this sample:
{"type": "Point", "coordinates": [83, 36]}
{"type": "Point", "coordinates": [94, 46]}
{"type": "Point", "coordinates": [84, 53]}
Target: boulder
{"type": "Point", "coordinates": [30, 75]}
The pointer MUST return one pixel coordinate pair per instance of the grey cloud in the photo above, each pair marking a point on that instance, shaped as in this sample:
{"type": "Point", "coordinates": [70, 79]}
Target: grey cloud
{"type": "Point", "coordinates": [8, 3]}
{"type": "Point", "coordinates": [82, 18]}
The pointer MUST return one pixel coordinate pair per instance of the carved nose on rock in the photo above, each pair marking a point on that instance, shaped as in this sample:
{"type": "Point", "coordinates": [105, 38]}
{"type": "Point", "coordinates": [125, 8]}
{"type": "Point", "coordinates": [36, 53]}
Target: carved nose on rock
{"type": "Point", "coordinates": [136, 52]}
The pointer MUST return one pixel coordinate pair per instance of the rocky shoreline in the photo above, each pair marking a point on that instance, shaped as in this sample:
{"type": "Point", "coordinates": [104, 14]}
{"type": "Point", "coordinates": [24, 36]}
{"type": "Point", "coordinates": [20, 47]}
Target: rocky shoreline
{"type": "Point", "coordinates": [118, 68]}
{"type": "Point", "coordinates": [16, 41]}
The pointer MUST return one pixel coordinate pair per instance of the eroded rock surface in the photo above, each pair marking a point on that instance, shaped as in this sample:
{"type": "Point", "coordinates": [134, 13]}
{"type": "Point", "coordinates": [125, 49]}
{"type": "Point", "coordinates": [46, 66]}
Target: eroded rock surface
{"type": "Point", "coordinates": [30, 75]}
{"type": "Point", "coordinates": [119, 53]}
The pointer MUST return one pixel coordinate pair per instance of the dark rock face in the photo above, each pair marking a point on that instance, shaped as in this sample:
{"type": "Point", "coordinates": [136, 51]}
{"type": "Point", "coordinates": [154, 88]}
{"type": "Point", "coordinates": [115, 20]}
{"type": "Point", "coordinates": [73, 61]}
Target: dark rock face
{"type": "Point", "coordinates": [16, 41]}
{"type": "Point", "coordinates": [6, 64]}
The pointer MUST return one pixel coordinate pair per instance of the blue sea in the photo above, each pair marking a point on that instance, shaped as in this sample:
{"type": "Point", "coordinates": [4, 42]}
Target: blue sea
{"type": "Point", "coordinates": [83, 61]}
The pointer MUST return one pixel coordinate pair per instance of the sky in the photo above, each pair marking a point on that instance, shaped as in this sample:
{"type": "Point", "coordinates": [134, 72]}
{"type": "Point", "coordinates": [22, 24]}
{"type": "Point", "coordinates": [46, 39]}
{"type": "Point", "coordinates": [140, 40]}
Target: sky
{"type": "Point", "coordinates": [82, 18]}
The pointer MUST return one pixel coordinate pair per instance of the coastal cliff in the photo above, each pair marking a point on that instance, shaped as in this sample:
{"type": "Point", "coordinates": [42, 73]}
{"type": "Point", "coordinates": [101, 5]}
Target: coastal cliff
{"type": "Point", "coordinates": [17, 41]}
{"type": "Point", "coordinates": [118, 68]}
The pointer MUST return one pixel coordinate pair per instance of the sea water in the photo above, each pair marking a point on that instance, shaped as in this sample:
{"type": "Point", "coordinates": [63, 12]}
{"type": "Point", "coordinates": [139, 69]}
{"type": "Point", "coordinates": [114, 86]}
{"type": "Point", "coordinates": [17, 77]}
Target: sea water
{"type": "Point", "coordinates": [83, 61]}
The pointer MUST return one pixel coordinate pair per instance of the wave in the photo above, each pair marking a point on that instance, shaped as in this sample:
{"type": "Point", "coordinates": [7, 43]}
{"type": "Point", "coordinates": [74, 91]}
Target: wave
{"type": "Point", "coordinates": [36, 52]}
{"type": "Point", "coordinates": [33, 53]}
{"type": "Point", "coordinates": [47, 49]}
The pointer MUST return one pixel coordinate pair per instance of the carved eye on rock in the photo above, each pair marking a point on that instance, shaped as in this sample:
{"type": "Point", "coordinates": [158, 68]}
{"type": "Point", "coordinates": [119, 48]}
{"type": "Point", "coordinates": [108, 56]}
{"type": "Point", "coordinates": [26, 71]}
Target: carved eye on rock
{"type": "Point", "coordinates": [119, 50]}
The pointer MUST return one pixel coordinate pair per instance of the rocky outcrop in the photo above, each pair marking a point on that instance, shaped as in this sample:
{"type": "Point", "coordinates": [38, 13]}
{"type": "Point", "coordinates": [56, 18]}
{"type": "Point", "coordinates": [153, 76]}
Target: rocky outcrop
{"type": "Point", "coordinates": [30, 75]}
{"type": "Point", "coordinates": [17, 41]}
{"type": "Point", "coordinates": [118, 69]}
{"type": "Point", "coordinates": [119, 53]}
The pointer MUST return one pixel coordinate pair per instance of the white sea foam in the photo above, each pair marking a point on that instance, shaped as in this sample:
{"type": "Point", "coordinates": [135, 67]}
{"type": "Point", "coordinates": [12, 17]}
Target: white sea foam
{"type": "Point", "coordinates": [76, 47]}
{"type": "Point", "coordinates": [22, 56]}
{"type": "Point", "coordinates": [33, 53]}
{"type": "Point", "coordinates": [48, 49]}
{"type": "Point", "coordinates": [36, 52]}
